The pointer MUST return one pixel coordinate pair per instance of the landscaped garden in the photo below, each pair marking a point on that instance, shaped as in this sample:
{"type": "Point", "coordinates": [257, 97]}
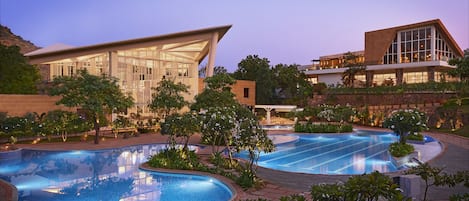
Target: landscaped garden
{"type": "Point", "coordinates": [226, 127]}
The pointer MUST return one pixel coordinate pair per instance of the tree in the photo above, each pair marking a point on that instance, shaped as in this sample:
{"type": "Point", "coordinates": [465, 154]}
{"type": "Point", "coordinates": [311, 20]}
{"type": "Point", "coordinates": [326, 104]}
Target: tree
{"type": "Point", "coordinates": [434, 176]}
{"type": "Point", "coordinates": [291, 85]}
{"type": "Point", "coordinates": [462, 67]}
{"type": "Point", "coordinates": [16, 75]}
{"type": "Point", "coordinates": [216, 70]}
{"type": "Point", "coordinates": [405, 122]}
{"type": "Point", "coordinates": [355, 67]}
{"type": "Point", "coordinates": [217, 124]}
{"type": "Point", "coordinates": [180, 125]}
{"type": "Point", "coordinates": [97, 95]}
{"type": "Point", "coordinates": [257, 69]}
{"type": "Point", "coordinates": [167, 97]}
{"type": "Point", "coordinates": [217, 93]}
{"type": "Point", "coordinates": [219, 70]}
{"type": "Point", "coordinates": [250, 137]}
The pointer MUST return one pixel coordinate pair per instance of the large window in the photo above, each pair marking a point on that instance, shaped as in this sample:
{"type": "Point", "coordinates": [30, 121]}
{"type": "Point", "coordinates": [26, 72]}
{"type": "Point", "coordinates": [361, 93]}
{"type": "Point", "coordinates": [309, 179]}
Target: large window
{"type": "Point", "coordinates": [442, 51]}
{"type": "Point", "coordinates": [390, 57]}
{"type": "Point", "coordinates": [415, 77]}
{"type": "Point", "coordinates": [415, 45]}
{"type": "Point", "coordinates": [384, 79]}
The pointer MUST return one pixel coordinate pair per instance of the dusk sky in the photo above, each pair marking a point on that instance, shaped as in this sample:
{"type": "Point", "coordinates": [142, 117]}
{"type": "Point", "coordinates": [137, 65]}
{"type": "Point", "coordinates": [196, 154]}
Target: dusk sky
{"type": "Point", "coordinates": [288, 32]}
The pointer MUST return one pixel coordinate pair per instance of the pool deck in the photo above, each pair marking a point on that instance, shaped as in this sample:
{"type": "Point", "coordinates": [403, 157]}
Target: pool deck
{"type": "Point", "coordinates": [278, 183]}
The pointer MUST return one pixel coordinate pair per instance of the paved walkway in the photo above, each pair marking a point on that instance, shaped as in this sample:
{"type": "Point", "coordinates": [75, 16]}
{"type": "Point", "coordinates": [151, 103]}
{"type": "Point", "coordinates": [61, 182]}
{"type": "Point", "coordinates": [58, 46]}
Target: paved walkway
{"type": "Point", "coordinates": [454, 158]}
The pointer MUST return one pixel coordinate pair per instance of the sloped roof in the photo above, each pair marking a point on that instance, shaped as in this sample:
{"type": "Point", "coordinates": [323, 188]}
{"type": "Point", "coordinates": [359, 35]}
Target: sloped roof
{"type": "Point", "coordinates": [378, 41]}
{"type": "Point", "coordinates": [64, 51]}
{"type": "Point", "coordinates": [52, 48]}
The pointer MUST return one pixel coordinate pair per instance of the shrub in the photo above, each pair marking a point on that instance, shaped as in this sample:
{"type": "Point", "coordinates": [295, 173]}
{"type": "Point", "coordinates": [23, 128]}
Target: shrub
{"type": "Point", "coordinates": [416, 137]}
{"type": "Point", "coordinates": [294, 197]}
{"type": "Point", "coordinates": [175, 159]}
{"type": "Point", "coordinates": [327, 192]}
{"type": "Point", "coordinates": [374, 186]}
{"type": "Point", "coordinates": [246, 180]}
{"type": "Point", "coordinates": [398, 149]}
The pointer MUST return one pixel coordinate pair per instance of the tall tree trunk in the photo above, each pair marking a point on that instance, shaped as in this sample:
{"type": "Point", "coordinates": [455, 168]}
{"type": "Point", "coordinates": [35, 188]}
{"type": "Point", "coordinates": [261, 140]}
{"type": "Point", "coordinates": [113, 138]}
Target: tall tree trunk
{"type": "Point", "coordinates": [96, 129]}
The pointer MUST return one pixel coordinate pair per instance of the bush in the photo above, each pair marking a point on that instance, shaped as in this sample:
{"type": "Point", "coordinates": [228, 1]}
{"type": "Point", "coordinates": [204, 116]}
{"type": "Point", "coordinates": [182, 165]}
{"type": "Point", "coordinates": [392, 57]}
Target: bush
{"type": "Point", "coordinates": [294, 197]}
{"type": "Point", "coordinates": [416, 137]}
{"type": "Point", "coordinates": [175, 159]}
{"type": "Point", "coordinates": [246, 180]}
{"type": "Point", "coordinates": [374, 186]}
{"type": "Point", "coordinates": [327, 192]}
{"type": "Point", "coordinates": [398, 149]}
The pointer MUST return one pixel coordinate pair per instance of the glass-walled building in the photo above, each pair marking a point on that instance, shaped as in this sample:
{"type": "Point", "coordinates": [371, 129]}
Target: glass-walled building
{"type": "Point", "coordinates": [415, 53]}
{"type": "Point", "coordinates": [138, 64]}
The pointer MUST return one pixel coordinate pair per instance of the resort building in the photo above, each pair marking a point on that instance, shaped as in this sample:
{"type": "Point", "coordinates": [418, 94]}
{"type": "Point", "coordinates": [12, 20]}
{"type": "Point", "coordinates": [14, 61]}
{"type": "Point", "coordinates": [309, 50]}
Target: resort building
{"type": "Point", "coordinates": [139, 64]}
{"type": "Point", "coordinates": [414, 53]}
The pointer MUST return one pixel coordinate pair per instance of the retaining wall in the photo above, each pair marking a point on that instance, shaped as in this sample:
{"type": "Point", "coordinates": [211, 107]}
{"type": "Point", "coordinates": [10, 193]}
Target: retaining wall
{"type": "Point", "coordinates": [18, 105]}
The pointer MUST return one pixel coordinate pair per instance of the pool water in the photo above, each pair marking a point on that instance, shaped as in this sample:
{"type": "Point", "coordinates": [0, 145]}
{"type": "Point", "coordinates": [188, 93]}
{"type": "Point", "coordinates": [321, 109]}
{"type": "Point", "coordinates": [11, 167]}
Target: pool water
{"type": "Point", "coordinates": [111, 174]}
{"type": "Point", "coordinates": [356, 153]}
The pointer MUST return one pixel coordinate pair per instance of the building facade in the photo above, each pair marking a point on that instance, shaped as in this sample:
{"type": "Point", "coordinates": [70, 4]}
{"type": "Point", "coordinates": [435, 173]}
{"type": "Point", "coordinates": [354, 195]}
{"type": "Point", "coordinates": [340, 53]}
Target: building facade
{"type": "Point", "coordinates": [138, 64]}
{"type": "Point", "coordinates": [414, 53]}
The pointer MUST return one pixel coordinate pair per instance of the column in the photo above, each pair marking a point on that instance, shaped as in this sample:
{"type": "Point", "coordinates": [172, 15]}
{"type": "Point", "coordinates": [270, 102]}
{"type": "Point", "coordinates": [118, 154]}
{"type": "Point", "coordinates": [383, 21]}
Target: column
{"type": "Point", "coordinates": [268, 109]}
{"type": "Point", "coordinates": [399, 54]}
{"type": "Point", "coordinates": [369, 78]}
{"type": "Point", "coordinates": [399, 76]}
{"type": "Point", "coordinates": [431, 73]}
{"type": "Point", "coordinates": [113, 62]}
{"type": "Point", "coordinates": [211, 55]}
{"type": "Point", "coordinates": [432, 43]}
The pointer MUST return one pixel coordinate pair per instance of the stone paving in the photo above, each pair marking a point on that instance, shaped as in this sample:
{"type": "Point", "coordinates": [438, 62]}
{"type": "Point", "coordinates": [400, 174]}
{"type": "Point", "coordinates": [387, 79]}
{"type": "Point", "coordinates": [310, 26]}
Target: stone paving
{"type": "Point", "coordinates": [453, 158]}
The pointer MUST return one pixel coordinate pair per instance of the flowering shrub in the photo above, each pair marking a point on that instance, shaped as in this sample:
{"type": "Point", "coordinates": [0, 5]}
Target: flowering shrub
{"type": "Point", "coordinates": [405, 122]}
{"type": "Point", "coordinates": [336, 113]}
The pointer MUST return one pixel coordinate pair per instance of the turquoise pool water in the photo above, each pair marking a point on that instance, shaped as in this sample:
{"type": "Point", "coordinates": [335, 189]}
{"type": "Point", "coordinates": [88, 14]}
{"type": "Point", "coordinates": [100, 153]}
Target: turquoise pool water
{"type": "Point", "coordinates": [107, 175]}
{"type": "Point", "coordinates": [356, 153]}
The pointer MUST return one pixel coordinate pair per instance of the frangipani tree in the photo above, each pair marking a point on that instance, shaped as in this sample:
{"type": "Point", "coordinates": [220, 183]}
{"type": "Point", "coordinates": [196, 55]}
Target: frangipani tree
{"type": "Point", "coordinates": [217, 125]}
{"type": "Point", "coordinates": [97, 95]}
{"type": "Point", "coordinates": [250, 137]}
{"type": "Point", "coordinates": [406, 122]}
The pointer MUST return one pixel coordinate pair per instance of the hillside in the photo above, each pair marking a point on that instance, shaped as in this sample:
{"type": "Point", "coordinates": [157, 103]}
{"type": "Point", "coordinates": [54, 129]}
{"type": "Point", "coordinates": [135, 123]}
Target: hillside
{"type": "Point", "coordinates": [8, 38]}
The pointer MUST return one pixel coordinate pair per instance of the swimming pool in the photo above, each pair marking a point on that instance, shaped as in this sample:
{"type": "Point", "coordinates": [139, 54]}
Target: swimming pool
{"type": "Point", "coordinates": [111, 174]}
{"type": "Point", "coordinates": [356, 153]}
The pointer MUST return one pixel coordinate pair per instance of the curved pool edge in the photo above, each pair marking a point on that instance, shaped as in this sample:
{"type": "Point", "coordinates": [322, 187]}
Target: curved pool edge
{"type": "Point", "coordinates": [232, 186]}
{"type": "Point", "coordinates": [420, 154]}
{"type": "Point", "coordinates": [9, 192]}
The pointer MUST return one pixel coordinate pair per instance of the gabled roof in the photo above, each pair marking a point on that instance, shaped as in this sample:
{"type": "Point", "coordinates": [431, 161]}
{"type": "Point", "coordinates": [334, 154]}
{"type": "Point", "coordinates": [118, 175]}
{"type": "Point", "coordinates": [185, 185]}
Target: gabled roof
{"type": "Point", "coordinates": [56, 53]}
{"type": "Point", "coordinates": [378, 41]}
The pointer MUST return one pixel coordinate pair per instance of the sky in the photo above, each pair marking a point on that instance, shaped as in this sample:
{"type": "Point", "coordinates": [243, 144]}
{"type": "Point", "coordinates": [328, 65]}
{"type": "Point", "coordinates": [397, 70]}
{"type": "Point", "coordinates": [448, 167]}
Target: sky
{"type": "Point", "coordinates": [287, 32]}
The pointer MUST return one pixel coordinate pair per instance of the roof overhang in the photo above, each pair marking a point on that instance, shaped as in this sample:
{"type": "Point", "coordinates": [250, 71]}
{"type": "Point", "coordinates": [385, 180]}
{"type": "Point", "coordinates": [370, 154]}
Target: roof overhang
{"type": "Point", "coordinates": [37, 57]}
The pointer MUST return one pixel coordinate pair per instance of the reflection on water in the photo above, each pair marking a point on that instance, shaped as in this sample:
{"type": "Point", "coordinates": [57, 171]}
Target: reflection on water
{"type": "Point", "coordinates": [356, 153]}
{"type": "Point", "coordinates": [103, 175]}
